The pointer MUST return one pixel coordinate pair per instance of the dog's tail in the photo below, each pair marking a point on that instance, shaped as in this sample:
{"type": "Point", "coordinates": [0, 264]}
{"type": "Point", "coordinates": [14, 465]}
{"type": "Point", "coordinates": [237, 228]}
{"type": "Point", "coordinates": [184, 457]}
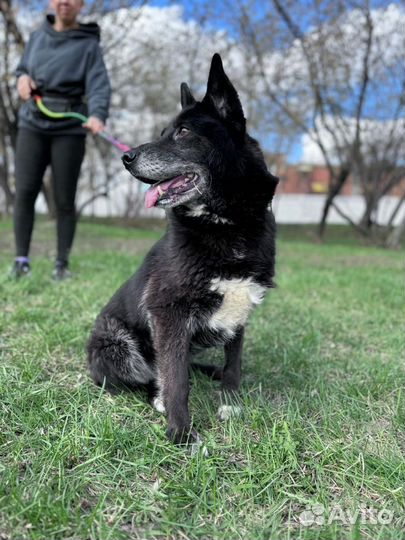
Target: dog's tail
{"type": "Point", "coordinates": [214, 372]}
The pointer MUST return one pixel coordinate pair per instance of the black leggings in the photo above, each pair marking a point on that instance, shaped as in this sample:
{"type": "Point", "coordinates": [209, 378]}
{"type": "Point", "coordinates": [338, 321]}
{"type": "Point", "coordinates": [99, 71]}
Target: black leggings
{"type": "Point", "coordinates": [34, 152]}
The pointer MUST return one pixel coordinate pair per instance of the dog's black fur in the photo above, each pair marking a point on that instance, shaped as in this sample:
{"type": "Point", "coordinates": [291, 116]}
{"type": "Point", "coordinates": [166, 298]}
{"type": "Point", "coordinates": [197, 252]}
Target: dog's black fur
{"type": "Point", "coordinates": [197, 284]}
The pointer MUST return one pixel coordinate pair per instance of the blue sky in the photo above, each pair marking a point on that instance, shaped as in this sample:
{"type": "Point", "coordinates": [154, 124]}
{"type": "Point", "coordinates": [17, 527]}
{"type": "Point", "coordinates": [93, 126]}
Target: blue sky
{"type": "Point", "coordinates": [192, 6]}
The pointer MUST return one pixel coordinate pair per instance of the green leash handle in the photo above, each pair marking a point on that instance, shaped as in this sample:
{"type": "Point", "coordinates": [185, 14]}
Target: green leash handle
{"type": "Point", "coordinates": [60, 115]}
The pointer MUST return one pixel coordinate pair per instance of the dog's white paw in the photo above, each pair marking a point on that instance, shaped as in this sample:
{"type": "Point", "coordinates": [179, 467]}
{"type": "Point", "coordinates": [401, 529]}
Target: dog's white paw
{"type": "Point", "coordinates": [157, 404]}
{"type": "Point", "coordinates": [227, 411]}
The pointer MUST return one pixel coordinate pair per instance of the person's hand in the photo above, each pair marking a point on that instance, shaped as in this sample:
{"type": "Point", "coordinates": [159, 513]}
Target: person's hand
{"type": "Point", "coordinates": [25, 86]}
{"type": "Point", "coordinates": [94, 124]}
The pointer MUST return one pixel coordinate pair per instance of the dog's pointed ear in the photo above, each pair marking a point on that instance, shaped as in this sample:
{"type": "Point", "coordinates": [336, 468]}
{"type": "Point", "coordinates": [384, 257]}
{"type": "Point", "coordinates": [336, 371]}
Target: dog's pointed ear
{"type": "Point", "coordinates": [222, 95]}
{"type": "Point", "coordinates": [186, 96]}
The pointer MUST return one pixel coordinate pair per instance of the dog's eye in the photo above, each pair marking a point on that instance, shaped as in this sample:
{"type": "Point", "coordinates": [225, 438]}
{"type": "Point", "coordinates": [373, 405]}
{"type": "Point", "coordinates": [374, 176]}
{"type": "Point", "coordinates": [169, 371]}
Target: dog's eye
{"type": "Point", "coordinates": [181, 132]}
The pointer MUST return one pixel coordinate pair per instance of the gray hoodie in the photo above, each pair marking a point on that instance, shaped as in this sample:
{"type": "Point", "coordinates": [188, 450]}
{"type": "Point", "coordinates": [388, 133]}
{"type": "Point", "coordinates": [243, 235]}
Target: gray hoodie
{"type": "Point", "coordinates": [70, 73]}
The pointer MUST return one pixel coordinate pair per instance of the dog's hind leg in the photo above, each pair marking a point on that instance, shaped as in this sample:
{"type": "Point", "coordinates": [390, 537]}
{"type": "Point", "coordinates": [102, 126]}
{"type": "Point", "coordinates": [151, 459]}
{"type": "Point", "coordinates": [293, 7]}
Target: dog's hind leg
{"type": "Point", "coordinates": [231, 376]}
{"type": "Point", "coordinates": [114, 356]}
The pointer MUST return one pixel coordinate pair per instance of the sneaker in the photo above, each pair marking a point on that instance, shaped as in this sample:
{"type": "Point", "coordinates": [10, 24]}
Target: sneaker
{"type": "Point", "coordinates": [61, 271]}
{"type": "Point", "coordinates": [20, 268]}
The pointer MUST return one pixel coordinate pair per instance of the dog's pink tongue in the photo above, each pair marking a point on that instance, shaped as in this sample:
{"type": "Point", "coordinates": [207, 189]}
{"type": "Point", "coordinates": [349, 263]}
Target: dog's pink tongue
{"type": "Point", "coordinates": [152, 195]}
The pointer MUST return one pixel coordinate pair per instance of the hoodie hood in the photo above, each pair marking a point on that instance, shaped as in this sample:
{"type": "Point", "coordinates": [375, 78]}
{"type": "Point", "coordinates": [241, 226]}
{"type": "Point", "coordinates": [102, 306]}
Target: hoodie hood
{"type": "Point", "coordinates": [84, 30]}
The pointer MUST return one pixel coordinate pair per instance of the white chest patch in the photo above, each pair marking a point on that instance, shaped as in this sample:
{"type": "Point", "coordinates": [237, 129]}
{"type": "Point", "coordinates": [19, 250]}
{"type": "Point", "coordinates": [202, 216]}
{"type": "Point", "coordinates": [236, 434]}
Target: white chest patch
{"type": "Point", "coordinates": [239, 296]}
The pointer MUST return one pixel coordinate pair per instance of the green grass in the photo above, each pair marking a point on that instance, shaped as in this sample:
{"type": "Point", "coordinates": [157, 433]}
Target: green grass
{"type": "Point", "coordinates": [322, 391]}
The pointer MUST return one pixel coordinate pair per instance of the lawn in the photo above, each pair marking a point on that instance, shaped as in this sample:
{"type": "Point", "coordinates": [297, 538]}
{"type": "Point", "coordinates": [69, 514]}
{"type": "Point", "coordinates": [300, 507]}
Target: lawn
{"type": "Point", "coordinates": [316, 455]}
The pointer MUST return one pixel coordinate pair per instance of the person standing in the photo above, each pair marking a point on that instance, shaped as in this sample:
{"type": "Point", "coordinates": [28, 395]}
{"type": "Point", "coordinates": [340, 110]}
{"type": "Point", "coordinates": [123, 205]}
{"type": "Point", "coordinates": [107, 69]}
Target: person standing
{"type": "Point", "coordinates": [63, 63]}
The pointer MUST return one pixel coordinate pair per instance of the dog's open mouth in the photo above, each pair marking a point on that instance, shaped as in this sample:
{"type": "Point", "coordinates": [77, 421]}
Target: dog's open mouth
{"type": "Point", "coordinates": [174, 191]}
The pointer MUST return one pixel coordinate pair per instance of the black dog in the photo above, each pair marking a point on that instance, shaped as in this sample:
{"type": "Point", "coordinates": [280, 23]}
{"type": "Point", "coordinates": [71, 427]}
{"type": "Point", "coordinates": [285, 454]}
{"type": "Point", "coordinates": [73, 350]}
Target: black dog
{"type": "Point", "coordinates": [198, 284]}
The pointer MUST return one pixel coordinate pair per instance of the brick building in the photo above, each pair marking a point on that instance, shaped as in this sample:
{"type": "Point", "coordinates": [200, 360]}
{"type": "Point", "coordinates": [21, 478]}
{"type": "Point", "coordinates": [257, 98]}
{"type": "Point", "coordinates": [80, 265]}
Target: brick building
{"type": "Point", "coordinates": [303, 178]}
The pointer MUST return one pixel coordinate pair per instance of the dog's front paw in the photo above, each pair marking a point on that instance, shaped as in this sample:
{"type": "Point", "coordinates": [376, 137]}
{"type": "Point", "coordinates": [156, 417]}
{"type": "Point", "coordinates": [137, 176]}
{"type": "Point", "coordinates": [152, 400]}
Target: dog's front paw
{"type": "Point", "coordinates": [182, 435]}
{"type": "Point", "coordinates": [188, 437]}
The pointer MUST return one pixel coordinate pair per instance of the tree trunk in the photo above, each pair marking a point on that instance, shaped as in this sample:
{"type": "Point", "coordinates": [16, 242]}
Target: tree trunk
{"type": "Point", "coordinates": [396, 236]}
{"type": "Point", "coordinates": [333, 191]}
{"type": "Point", "coordinates": [396, 210]}
{"type": "Point", "coordinates": [5, 174]}
{"type": "Point", "coordinates": [7, 191]}
{"type": "Point", "coordinates": [366, 220]}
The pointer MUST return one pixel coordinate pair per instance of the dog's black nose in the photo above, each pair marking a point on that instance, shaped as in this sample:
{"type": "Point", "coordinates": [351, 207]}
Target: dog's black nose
{"type": "Point", "coordinates": [128, 157]}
